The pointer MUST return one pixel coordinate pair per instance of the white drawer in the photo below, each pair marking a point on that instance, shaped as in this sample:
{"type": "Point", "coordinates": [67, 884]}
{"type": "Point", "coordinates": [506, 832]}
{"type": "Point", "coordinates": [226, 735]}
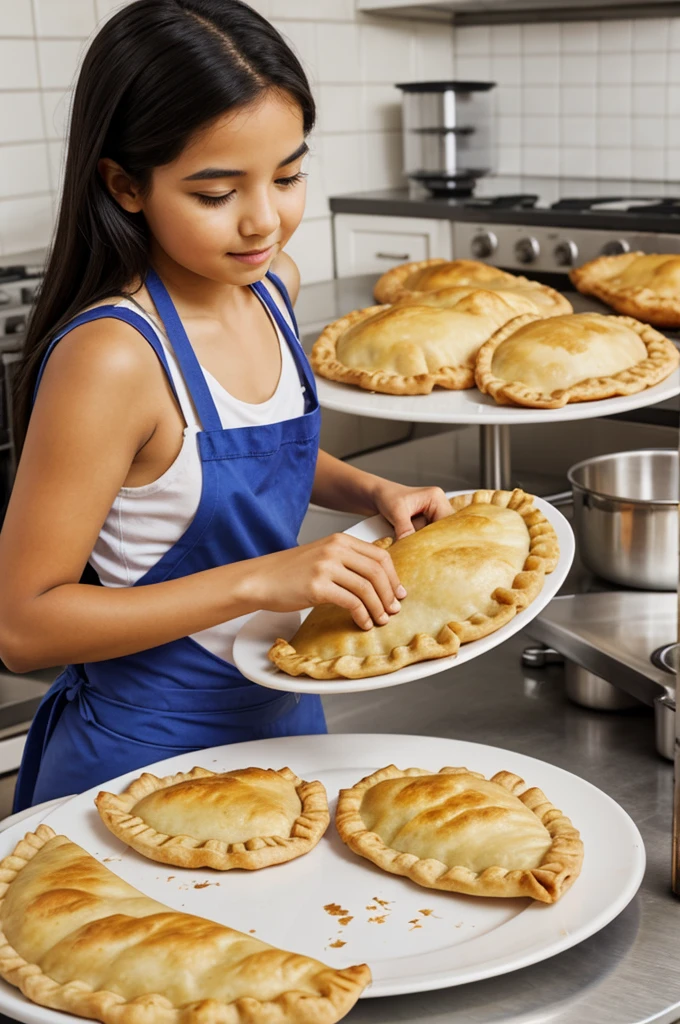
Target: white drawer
{"type": "Point", "coordinates": [374, 244]}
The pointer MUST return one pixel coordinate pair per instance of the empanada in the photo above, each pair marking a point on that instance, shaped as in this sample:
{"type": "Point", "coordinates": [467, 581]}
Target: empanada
{"type": "Point", "coordinates": [75, 937]}
{"type": "Point", "coordinates": [412, 279]}
{"type": "Point", "coordinates": [465, 577]}
{"type": "Point", "coordinates": [409, 349]}
{"type": "Point", "coordinates": [545, 364]}
{"type": "Point", "coordinates": [249, 818]}
{"type": "Point", "coordinates": [645, 286]}
{"type": "Point", "coordinates": [458, 831]}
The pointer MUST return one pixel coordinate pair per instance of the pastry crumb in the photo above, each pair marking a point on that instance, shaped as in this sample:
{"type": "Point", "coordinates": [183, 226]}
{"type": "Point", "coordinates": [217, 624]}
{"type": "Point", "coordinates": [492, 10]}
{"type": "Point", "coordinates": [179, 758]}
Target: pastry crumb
{"type": "Point", "coordinates": [251, 931]}
{"type": "Point", "coordinates": [335, 910]}
{"type": "Point", "coordinates": [378, 920]}
{"type": "Point", "coordinates": [426, 913]}
{"type": "Point", "coordinates": [337, 944]}
{"type": "Point", "coordinates": [382, 903]}
{"type": "Point", "coordinates": [371, 907]}
{"type": "Point", "coordinates": [169, 878]}
{"type": "Point", "coordinates": [107, 860]}
{"type": "Point", "coordinates": [202, 885]}
{"type": "Point", "coordinates": [344, 921]}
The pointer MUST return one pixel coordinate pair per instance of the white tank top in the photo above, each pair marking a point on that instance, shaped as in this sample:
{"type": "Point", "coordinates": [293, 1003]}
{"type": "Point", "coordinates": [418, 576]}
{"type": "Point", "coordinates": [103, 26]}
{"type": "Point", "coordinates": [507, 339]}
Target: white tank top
{"type": "Point", "coordinates": [144, 522]}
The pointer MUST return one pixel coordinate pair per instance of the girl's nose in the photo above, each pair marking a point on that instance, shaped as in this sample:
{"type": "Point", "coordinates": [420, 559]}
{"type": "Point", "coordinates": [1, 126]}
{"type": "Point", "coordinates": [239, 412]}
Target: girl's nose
{"type": "Point", "coordinates": [260, 216]}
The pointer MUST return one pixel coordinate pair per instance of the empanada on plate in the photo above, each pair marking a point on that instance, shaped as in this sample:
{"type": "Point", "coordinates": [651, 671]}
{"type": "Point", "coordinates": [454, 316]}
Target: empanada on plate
{"type": "Point", "coordinates": [455, 830]}
{"type": "Point", "coordinates": [465, 577]}
{"type": "Point", "coordinates": [77, 938]}
{"type": "Point", "coordinates": [409, 280]}
{"type": "Point", "coordinates": [545, 364]}
{"type": "Point", "coordinates": [249, 818]}
{"type": "Point", "coordinates": [409, 349]}
{"type": "Point", "coordinates": [645, 286]}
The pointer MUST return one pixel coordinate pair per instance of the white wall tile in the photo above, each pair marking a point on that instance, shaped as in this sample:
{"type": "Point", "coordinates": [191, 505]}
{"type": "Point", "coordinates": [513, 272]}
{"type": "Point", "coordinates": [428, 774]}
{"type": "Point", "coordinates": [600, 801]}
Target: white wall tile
{"type": "Point", "coordinates": [541, 101]}
{"type": "Point", "coordinates": [340, 107]}
{"type": "Point", "coordinates": [380, 109]}
{"type": "Point", "coordinates": [541, 160]}
{"type": "Point", "coordinates": [433, 52]}
{"type": "Point", "coordinates": [16, 18]}
{"type": "Point", "coordinates": [509, 131]}
{"type": "Point", "coordinates": [581, 68]}
{"type": "Point", "coordinates": [648, 132]}
{"type": "Point", "coordinates": [59, 62]}
{"type": "Point", "coordinates": [674, 35]}
{"type": "Point", "coordinates": [651, 34]}
{"type": "Point", "coordinates": [506, 70]}
{"type": "Point", "coordinates": [673, 164]}
{"type": "Point", "coordinates": [56, 152]}
{"type": "Point", "coordinates": [343, 161]}
{"type": "Point", "coordinates": [473, 40]}
{"type": "Point", "coordinates": [578, 99]}
{"type": "Point", "coordinates": [615, 68]}
{"type": "Point", "coordinates": [578, 162]}
{"type": "Point", "coordinates": [313, 10]}
{"type": "Point", "coordinates": [383, 160]}
{"type": "Point", "coordinates": [540, 131]}
{"type": "Point", "coordinates": [387, 53]}
{"type": "Point", "coordinates": [338, 53]}
{"type": "Point", "coordinates": [477, 67]}
{"type": "Point", "coordinates": [509, 101]}
{"type": "Point", "coordinates": [649, 164]}
{"type": "Point", "coordinates": [542, 71]}
{"type": "Point", "coordinates": [541, 38]}
{"type": "Point", "coordinates": [105, 8]}
{"type": "Point", "coordinates": [312, 249]}
{"type": "Point", "coordinates": [23, 170]}
{"type": "Point", "coordinates": [614, 163]}
{"type": "Point", "coordinates": [650, 67]}
{"type": "Point", "coordinates": [580, 37]}
{"type": "Point", "coordinates": [616, 36]}
{"type": "Point", "coordinates": [649, 100]}
{"type": "Point", "coordinates": [56, 106]}
{"type": "Point", "coordinates": [506, 39]}
{"type": "Point", "coordinates": [66, 18]}
{"type": "Point", "coordinates": [614, 131]}
{"type": "Point", "coordinates": [25, 223]}
{"type": "Point", "coordinates": [21, 117]}
{"type": "Point", "coordinates": [301, 35]}
{"type": "Point", "coordinates": [578, 131]}
{"type": "Point", "coordinates": [510, 160]}
{"type": "Point", "coordinates": [673, 132]}
{"type": "Point", "coordinates": [18, 65]}
{"type": "Point", "coordinates": [316, 204]}
{"type": "Point", "coordinates": [615, 99]}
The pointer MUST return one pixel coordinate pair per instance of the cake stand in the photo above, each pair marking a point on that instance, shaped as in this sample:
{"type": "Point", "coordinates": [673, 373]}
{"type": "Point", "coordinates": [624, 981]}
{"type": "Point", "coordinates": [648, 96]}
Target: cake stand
{"type": "Point", "coordinates": [473, 408]}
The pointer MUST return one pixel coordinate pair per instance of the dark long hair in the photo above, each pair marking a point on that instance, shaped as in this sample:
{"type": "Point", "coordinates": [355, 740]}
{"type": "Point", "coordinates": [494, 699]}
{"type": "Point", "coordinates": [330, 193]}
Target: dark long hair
{"type": "Point", "coordinates": [154, 74]}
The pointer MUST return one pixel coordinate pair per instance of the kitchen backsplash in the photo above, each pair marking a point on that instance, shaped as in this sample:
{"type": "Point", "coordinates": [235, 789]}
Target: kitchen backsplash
{"type": "Point", "coordinates": [582, 99]}
{"type": "Point", "coordinates": [352, 60]}
{"type": "Point", "coordinates": [579, 99]}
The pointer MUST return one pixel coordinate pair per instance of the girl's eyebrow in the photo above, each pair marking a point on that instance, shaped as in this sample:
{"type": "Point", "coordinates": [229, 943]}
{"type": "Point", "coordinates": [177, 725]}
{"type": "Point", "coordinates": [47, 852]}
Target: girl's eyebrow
{"type": "Point", "coordinates": [209, 173]}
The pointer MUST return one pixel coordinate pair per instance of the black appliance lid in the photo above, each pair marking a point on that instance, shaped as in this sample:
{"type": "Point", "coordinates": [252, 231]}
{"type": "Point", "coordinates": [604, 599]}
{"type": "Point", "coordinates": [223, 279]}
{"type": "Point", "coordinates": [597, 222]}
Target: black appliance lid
{"type": "Point", "coordinates": [457, 86]}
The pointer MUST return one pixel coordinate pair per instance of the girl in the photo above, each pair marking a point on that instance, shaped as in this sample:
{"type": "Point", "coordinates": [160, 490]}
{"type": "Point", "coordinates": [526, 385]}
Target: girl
{"type": "Point", "coordinates": [172, 448]}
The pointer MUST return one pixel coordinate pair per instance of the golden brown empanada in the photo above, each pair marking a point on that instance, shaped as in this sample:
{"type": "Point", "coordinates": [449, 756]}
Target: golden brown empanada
{"type": "Point", "coordinates": [545, 364]}
{"type": "Point", "coordinates": [75, 937]}
{"type": "Point", "coordinates": [409, 280]}
{"type": "Point", "coordinates": [458, 831]}
{"type": "Point", "coordinates": [249, 818]}
{"type": "Point", "coordinates": [409, 349]}
{"type": "Point", "coordinates": [645, 286]}
{"type": "Point", "coordinates": [465, 577]}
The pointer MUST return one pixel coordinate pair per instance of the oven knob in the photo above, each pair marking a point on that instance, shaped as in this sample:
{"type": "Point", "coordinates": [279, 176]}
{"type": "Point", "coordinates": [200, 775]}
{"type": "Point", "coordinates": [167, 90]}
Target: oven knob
{"type": "Point", "coordinates": [615, 248]}
{"type": "Point", "coordinates": [527, 250]}
{"type": "Point", "coordinates": [484, 245]}
{"type": "Point", "coordinates": [566, 254]}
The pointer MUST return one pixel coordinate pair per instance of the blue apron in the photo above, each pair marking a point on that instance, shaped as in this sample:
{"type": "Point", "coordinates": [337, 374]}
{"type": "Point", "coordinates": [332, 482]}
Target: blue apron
{"type": "Point", "coordinates": [105, 718]}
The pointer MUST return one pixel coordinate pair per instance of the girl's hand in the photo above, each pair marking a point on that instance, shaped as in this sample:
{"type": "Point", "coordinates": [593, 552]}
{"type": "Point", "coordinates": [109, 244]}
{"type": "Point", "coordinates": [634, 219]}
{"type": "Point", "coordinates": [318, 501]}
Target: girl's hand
{"type": "Point", "coordinates": [339, 569]}
{"type": "Point", "coordinates": [400, 505]}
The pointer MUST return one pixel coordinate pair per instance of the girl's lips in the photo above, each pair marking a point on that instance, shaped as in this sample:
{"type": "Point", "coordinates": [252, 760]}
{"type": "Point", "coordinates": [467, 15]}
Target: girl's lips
{"type": "Point", "coordinates": [253, 258]}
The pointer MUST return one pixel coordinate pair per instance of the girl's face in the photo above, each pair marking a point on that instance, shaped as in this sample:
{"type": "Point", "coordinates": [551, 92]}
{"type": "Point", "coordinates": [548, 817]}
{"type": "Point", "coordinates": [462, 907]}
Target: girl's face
{"type": "Point", "coordinates": [232, 199]}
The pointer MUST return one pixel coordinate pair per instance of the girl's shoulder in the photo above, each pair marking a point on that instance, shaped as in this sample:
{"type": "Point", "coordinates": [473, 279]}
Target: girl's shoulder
{"type": "Point", "coordinates": [286, 268]}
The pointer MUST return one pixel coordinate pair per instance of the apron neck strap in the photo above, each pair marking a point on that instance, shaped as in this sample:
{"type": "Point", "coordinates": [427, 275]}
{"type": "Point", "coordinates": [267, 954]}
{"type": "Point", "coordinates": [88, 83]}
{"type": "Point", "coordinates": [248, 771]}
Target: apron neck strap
{"type": "Point", "coordinates": [194, 377]}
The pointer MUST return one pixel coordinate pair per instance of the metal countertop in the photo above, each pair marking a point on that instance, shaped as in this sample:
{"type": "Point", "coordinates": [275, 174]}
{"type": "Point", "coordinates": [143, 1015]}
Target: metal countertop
{"type": "Point", "coordinates": [628, 973]}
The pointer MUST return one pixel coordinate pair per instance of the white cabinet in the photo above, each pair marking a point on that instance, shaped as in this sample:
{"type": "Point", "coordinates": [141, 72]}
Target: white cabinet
{"type": "Point", "coordinates": [366, 244]}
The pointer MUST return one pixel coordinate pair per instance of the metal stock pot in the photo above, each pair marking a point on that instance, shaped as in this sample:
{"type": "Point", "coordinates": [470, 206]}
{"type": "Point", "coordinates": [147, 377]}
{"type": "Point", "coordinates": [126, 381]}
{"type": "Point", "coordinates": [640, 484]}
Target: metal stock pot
{"type": "Point", "coordinates": [626, 517]}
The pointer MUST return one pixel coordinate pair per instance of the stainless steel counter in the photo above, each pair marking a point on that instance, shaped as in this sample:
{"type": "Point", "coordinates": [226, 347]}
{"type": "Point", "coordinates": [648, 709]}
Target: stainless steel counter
{"type": "Point", "coordinates": [629, 973]}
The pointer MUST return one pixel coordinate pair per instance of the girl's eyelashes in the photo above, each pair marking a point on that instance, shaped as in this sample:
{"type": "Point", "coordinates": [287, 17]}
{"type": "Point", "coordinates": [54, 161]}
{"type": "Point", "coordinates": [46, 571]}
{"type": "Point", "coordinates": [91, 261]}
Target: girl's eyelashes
{"type": "Point", "coordinates": [294, 179]}
{"type": "Point", "coordinates": [288, 182]}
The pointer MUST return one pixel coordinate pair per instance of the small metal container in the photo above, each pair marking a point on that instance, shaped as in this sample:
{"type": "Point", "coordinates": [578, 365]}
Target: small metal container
{"type": "Point", "coordinates": [626, 517]}
{"type": "Point", "coordinates": [591, 691]}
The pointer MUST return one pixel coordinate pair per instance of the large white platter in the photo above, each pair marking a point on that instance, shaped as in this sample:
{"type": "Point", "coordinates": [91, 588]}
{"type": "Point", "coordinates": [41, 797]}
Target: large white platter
{"type": "Point", "coordinates": [472, 406]}
{"type": "Point", "coordinates": [463, 940]}
{"type": "Point", "coordinates": [259, 632]}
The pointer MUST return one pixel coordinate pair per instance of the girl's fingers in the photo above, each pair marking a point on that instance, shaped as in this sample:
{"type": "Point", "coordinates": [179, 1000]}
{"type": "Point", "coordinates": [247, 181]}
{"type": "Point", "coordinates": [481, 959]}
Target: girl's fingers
{"type": "Point", "coordinates": [375, 573]}
{"type": "Point", "coordinates": [384, 559]}
{"type": "Point", "coordinates": [343, 598]}
{"type": "Point", "coordinates": [366, 607]}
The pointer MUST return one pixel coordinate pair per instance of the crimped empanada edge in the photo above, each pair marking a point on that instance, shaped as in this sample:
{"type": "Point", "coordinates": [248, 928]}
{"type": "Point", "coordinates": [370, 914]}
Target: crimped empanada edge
{"type": "Point", "coordinates": [547, 882]}
{"type": "Point", "coordinates": [185, 851]}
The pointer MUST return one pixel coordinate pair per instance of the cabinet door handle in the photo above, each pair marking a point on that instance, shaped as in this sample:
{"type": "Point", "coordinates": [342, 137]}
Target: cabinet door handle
{"type": "Point", "coordinates": [392, 255]}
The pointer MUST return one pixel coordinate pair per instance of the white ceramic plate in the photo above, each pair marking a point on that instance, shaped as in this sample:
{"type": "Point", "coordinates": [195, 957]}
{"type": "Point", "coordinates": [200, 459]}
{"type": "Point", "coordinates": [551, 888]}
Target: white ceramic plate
{"type": "Point", "coordinates": [461, 940]}
{"type": "Point", "coordinates": [472, 406]}
{"type": "Point", "coordinates": [258, 634]}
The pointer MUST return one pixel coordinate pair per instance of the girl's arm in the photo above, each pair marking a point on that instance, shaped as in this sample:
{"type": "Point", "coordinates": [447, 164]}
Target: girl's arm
{"type": "Point", "coordinates": [102, 400]}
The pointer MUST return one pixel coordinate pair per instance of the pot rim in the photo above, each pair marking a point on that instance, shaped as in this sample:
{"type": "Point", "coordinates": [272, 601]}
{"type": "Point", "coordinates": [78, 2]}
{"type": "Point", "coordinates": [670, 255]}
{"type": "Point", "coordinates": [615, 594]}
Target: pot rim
{"type": "Point", "coordinates": [646, 503]}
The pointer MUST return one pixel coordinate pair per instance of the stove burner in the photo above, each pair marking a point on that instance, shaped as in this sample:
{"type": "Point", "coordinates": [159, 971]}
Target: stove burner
{"type": "Point", "coordinates": [521, 201]}
{"type": "Point", "coordinates": [664, 208]}
{"type": "Point", "coordinates": [656, 206]}
{"type": "Point", "coordinates": [585, 202]}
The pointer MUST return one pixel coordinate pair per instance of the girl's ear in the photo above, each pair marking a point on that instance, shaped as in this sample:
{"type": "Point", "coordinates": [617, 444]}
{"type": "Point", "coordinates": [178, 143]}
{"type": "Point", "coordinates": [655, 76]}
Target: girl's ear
{"type": "Point", "coordinates": [120, 185]}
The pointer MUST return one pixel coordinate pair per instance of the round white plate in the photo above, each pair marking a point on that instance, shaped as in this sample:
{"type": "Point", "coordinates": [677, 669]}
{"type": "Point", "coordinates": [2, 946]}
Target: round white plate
{"type": "Point", "coordinates": [472, 406]}
{"type": "Point", "coordinates": [414, 939]}
{"type": "Point", "coordinates": [259, 632]}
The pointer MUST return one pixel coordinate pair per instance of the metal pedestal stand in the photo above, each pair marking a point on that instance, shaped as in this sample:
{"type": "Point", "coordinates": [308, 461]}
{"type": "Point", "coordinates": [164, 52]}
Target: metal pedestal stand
{"type": "Point", "coordinates": [495, 472]}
